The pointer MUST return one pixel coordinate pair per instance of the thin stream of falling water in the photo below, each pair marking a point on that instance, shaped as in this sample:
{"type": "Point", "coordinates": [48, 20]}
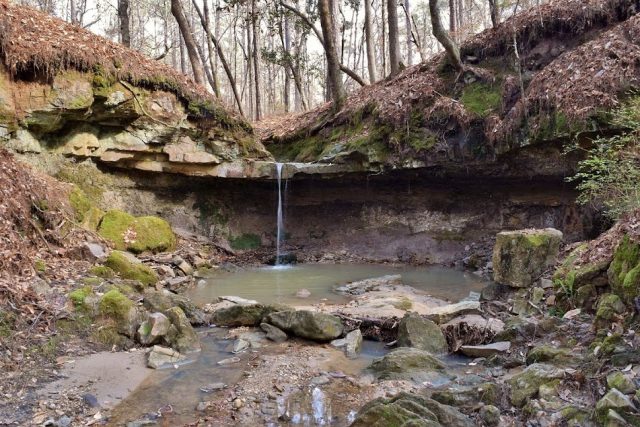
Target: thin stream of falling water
{"type": "Point", "coordinates": [279, 218]}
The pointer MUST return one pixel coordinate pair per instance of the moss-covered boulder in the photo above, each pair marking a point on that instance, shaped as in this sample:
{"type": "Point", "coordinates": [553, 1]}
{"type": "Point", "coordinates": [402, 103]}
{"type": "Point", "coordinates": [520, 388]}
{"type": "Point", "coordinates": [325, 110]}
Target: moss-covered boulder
{"type": "Point", "coordinates": [307, 324]}
{"type": "Point", "coordinates": [121, 310]}
{"type": "Point", "coordinates": [137, 235]}
{"type": "Point", "coordinates": [162, 300]}
{"type": "Point", "coordinates": [624, 271]}
{"type": "Point", "coordinates": [520, 257]}
{"type": "Point", "coordinates": [614, 400]}
{"type": "Point", "coordinates": [79, 298]}
{"type": "Point", "coordinates": [182, 336]}
{"type": "Point", "coordinates": [548, 354]}
{"type": "Point", "coordinates": [128, 267]}
{"type": "Point", "coordinates": [407, 363]}
{"type": "Point", "coordinates": [621, 382]}
{"type": "Point", "coordinates": [609, 306]}
{"type": "Point", "coordinates": [407, 409]}
{"type": "Point", "coordinates": [423, 334]}
{"type": "Point", "coordinates": [526, 384]}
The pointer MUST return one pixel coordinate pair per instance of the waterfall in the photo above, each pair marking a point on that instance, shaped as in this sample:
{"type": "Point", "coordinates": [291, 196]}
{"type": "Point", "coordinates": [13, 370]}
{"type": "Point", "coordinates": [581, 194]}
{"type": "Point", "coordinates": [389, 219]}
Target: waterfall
{"type": "Point", "coordinates": [280, 220]}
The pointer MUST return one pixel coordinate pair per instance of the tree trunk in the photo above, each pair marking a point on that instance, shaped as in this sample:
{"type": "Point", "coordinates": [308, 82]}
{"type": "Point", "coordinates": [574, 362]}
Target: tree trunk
{"type": "Point", "coordinates": [189, 42]}
{"type": "Point", "coordinates": [368, 34]}
{"type": "Point", "coordinates": [493, 10]}
{"type": "Point", "coordinates": [256, 57]}
{"type": "Point", "coordinates": [223, 59]}
{"type": "Point", "coordinates": [212, 63]}
{"type": "Point", "coordinates": [407, 23]}
{"type": "Point", "coordinates": [287, 52]}
{"type": "Point", "coordinates": [333, 66]}
{"type": "Point", "coordinates": [452, 17]}
{"type": "Point", "coordinates": [394, 39]}
{"type": "Point", "coordinates": [123, 18]}
{"type": "Point", "coordinates": [453, 52]}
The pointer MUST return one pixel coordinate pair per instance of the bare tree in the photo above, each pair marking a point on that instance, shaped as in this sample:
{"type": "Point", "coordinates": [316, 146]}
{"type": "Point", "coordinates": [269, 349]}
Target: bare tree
{"type": "Point", "coordinates": [333, 66]}
{"type": "Point", "coordinates": [368, 35]}
{"type": "Point", "coordinates": [407, 23]}
{"type": "Point", "coordinates": [493, 11]}
{"type": "Point", "coordinates": [189, 41]}
{"type": "Point", "coordinates": [394, 38]}
{"type": "Point", "coordinates": [256, 58]}
{"type": "Point", "coordinates": [123, 19]}
{"type": "Point", "coordinates": [223, 58]}
{"type": "Point", "coordinates": [450, 46]}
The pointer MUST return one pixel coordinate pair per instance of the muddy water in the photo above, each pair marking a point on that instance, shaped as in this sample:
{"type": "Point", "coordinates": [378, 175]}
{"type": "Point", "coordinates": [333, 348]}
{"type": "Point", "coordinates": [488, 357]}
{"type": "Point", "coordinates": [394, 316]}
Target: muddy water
{"type": "Point", "coordinates": [169, 396]}
{"type": "Point", "coordinates": [270, 284]}
{"type": "Point", "coordinates": [174, 392]}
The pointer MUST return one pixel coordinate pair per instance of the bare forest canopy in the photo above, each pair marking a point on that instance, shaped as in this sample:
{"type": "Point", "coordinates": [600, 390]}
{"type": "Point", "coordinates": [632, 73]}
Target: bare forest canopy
{"type": "Point", "coordinates": [544, 74]}
{"type": "Point", "coordinates": [268, 57]}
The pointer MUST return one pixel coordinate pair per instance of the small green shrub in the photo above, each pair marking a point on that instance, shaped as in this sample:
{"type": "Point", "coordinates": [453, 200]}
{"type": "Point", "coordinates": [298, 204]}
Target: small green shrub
{"type": "Point", "coordinates": [610, 173]}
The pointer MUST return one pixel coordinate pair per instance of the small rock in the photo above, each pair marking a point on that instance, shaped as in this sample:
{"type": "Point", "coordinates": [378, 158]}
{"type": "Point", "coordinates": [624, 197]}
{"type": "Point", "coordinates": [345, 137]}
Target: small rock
{"type": "Point", "coordinates": [202, 406]}
{"type": "Point", "coordinates": [90, 400]}
{"type": "Point", "coordinates": [229, 361]}
{"type": "Point", "coordinates": [351, 343]}
{"type": "Point", "coordinates": [320, 380]}
{"type": "Point", "coordinates": [490, 415]}
{"type": "Point", "coordinates": [238, 403]}
{"type": "Point", "coordinates": [160, 356]}
{"type": "Point", "coordinates": [621, 382]}
{"type": "Point", "coordinates": [63, 421]}
{"type": "Point", "coordinates": [240, 346]}
{"type": "Point", "coordinates": [273, 333]}
{"type": "Point", "coordinates": [153, 329]}
{"type": "Point", "coordinates": [572, 313]}
{"type": "Point", "coordinates": [303, 293]}
{"type": "Point", "coordinates": [213, 387]}
{"type": "Point", "coordinates": [183, 265]}
{"type": "Point", "coordinates": [485, 350]}
{"type": "Point", "coordinates": [615, 400]}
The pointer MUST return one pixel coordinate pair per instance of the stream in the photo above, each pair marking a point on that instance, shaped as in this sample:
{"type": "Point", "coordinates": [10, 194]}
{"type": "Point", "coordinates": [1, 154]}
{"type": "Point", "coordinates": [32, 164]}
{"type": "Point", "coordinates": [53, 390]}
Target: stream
{"type": "Point", "coordinates": [170, 396]}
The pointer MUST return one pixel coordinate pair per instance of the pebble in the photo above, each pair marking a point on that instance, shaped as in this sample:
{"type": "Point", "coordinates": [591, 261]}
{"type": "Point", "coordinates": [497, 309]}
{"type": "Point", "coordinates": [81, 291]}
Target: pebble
{"type": "Point", "coordinates": [238, 403]}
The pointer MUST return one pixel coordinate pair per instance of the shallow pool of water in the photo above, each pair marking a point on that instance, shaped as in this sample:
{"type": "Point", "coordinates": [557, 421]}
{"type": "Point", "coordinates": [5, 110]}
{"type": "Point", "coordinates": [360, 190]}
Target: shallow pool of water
{"type": "Point", "coordinates": [269, 284]}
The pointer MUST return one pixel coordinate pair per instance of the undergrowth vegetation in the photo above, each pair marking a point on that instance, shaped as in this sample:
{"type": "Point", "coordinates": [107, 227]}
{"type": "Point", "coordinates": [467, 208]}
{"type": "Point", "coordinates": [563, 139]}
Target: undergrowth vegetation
{"type": "Point", "coordinates": [609, 176]}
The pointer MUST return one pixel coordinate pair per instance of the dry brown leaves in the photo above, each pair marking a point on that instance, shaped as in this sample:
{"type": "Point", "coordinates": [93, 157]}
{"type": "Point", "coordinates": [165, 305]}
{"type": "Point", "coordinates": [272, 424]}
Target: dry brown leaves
{"type": "Point", "coordinates": [34, 42]}
{"type": "Point", "coordinates": [582, 81]}
{"type": "Point", "coordinates": [577, 83]}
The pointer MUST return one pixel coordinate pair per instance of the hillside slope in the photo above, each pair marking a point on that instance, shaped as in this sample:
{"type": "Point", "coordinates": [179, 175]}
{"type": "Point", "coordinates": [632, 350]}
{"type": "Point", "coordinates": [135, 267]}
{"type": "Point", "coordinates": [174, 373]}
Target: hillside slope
{"type": "Point", "coordinates": [577, 59]}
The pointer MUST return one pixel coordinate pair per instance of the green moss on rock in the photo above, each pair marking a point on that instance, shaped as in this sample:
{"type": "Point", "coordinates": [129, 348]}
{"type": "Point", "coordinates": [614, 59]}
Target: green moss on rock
{"type": "Point", "coordinates": [79, 296]}
{"type": "Point", "coordinates": [114, 304]}
{"type": "Point", "coordinates": [125, 268]}
{"type": "Point", "coordinates": [481, 98]}
{"type": "Point", "coordinates": [137, 235]}
{"type": "Point", "coordinates": [80, 203]}
{"type": "Point", "coordinates": [624, 271]}
{"type": "Point", "coordinates": [609, 306]}
{"type": "Point", "coordinates": [245, 241]}
{"type": "Point", "coordinates": [102, 271]}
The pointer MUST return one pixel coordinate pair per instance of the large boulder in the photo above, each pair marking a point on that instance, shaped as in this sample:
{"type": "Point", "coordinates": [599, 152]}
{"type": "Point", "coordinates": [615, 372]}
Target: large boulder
{"type": "Point", "coordinates": [245, 314]}
{"type": "Point", "coordinates": [153, 329]}
{"type": "Point", "coordinates": [408, 364]}
{"type": "Point", "coordinates": [415, 331]}
{"type": "Point", "coordinates": [162, 300]}
{"type": "Point", "coordinates": [407, 409]}
{"type": "Point", "coordinates": [181, 336]}
{"type": "Point", "coordinates": [624, 271]}
{"type": "Point", "coordinates": [128, 266]}
{"type": "Point", "coordinates": [520, 257]}
{"type": "Point", "coordinates": [307, 324]}
{"type": "Point", "coordinates": [525, 384]}
{"type": "Point", "coordinates": [148, 233]}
